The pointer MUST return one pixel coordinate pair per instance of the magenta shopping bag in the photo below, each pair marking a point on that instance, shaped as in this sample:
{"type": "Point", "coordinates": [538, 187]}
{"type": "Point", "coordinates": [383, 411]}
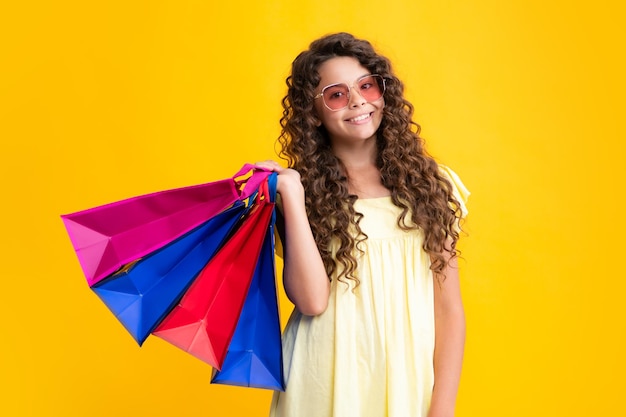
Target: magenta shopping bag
{"type": "Point", "coordinates": [107, 237]}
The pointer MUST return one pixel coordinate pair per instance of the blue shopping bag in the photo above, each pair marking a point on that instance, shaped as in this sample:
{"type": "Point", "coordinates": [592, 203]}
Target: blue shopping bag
{"type": "Point", "coordinates": [142, 294]}
{"type": "Point", "coordinates": [254, 357]}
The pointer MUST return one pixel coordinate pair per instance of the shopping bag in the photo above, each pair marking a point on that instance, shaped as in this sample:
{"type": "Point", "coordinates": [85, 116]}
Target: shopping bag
{"type": "Point", "coordinates": [142, 294]}
{"type": "Point", "coordinates": [205, 319]}
{"type": "Point", "coordinates": [107, 237]}
{"type": "Point", "coordinates": [254, 356]}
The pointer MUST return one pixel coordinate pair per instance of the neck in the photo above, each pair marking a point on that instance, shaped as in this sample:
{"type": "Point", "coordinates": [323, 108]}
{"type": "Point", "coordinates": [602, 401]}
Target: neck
{"type": "Point", "coordinates": [358, 155]}
{"type": "Point", "coordinates": [363, 174]}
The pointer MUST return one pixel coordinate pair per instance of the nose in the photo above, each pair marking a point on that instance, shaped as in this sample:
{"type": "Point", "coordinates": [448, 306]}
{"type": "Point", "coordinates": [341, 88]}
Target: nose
{"type": "Point", "coordinates": [356, 99]}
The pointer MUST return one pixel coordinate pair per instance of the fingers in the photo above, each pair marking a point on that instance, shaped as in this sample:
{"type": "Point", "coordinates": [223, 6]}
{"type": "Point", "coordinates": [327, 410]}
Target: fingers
{"type": "Point", "coordinates": [288, 179]}
{"type": "Point", "coordinates": [271, 165]}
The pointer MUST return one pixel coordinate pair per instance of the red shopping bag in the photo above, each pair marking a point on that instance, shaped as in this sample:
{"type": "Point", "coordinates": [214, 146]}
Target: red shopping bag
{"type": "Point", "coordinates": [107, 237]}
{"type": "Point", "coordinates": [204, 321]}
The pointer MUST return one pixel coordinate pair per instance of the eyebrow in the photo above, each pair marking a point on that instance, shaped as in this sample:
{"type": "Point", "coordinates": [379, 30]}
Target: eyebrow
{"type": "Point", "coordinates": [342, 82]}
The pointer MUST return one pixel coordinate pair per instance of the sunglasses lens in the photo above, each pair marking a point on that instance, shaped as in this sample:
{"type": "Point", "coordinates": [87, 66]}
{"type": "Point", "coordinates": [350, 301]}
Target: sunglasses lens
{"type": "Point", "coordinates": [371, 87]}
{"type": "Point", "coordinates": [336, 96]}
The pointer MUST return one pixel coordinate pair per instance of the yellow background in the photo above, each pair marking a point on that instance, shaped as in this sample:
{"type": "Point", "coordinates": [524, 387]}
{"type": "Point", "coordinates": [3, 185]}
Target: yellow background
{"type": "Point", "coordinates": [101, 101]}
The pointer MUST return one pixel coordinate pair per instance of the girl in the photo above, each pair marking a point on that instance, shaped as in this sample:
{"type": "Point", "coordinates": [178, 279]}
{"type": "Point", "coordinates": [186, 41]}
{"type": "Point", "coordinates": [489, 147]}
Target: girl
{"type": "Point", "coordinates": [369, 235]}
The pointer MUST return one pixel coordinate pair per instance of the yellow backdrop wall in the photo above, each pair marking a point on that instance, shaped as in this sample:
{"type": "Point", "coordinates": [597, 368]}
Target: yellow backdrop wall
{"type": "Point", "coordinates": [101, 101]}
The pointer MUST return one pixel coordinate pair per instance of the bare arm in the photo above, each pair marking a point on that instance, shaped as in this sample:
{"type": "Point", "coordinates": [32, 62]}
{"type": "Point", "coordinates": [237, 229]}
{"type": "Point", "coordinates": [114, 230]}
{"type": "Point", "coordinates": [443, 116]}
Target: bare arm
{"type": "Point", "coordinates": [304, 276]}
{"type": "Point", "coordinates": [449, 342]}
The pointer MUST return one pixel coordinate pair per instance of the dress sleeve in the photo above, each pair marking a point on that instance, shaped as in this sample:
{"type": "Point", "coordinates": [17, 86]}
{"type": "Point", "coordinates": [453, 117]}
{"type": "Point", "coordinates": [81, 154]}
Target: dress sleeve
{"type": "Point", "coordinates": [461, 193]}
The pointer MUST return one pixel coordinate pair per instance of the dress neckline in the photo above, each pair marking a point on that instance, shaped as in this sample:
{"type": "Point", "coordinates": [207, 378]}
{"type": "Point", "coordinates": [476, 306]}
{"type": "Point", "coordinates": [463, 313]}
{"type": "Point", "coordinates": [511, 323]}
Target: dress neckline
{"type": "Point", "coordinates": [386, 197]}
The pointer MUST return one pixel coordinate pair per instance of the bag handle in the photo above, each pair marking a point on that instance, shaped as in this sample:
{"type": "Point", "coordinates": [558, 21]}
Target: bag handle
{"type": "Point", "coordinates": [259, 174]}
{"type": "Point", "coordinates": [272, 181]}
{"type": "Point", "coordinates": [267, 189]}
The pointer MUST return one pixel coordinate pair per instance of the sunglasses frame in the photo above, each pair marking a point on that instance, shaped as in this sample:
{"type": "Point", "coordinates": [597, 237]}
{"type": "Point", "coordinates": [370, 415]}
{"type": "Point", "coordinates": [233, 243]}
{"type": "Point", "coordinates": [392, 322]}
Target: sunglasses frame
{"type": "Point", "coordinates": [382, 93]}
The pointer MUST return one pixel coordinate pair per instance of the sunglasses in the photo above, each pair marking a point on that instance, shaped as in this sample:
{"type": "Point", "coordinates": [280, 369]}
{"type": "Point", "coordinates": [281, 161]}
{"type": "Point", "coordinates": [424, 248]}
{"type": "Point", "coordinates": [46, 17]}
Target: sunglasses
{"type": "Point", "coordinates": [337, 96]}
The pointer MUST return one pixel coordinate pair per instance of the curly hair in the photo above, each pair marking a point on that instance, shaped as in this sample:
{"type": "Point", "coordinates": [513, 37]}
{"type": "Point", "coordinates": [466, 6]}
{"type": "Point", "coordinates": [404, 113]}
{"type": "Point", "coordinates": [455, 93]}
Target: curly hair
{"type": "Point", "coordinates": [412, 176]}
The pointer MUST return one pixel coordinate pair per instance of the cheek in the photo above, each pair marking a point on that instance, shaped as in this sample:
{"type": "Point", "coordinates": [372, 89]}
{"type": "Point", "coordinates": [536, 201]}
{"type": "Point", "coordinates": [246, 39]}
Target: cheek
{"type": "Point", "coordinates": [381, 108]}
{"type": "Point", "coordinates": [318, 112]}
{"type": "Point", "coordinates": [381, 112]}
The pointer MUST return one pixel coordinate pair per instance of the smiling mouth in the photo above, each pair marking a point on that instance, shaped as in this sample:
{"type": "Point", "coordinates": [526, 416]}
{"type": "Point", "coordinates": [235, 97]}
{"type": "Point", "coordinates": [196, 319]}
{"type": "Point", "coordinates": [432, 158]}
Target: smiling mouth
{"type": "Point", "coordinates": [361, 117]}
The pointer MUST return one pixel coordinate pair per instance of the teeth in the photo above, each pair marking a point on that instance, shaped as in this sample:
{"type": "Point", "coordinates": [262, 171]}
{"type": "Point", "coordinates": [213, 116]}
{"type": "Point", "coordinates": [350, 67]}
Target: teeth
{"type": "Point", "coordinates": [359, 118]}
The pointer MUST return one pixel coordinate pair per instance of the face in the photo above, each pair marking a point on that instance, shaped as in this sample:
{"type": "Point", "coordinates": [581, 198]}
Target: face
{"type": "Point", "coordinates": [360, 120]}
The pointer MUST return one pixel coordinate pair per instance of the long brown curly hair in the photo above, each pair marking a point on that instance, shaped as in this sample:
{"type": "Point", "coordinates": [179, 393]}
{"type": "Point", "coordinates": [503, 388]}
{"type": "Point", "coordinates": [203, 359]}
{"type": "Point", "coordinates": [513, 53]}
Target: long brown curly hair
{"type": "Point", "coordinates": [406, 169]}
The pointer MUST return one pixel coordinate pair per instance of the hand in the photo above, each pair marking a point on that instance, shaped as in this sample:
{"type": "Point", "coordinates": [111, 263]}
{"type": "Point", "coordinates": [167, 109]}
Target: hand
{"type": "Point", "coordinates": [288, 178]}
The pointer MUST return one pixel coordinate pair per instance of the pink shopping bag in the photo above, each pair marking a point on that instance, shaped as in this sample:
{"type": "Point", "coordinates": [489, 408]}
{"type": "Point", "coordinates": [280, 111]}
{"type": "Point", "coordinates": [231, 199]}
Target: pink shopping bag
{"type": "Point", "coordinates": [107, 237]}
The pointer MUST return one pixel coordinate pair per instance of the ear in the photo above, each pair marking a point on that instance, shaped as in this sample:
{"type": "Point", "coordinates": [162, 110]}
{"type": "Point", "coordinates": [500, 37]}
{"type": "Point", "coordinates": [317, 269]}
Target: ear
{"type": "Point", "coordinates": [318, 122]}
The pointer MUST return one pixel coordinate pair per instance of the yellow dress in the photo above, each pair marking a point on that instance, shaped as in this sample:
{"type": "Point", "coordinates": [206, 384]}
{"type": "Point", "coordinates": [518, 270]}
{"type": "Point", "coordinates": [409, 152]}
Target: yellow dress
{"type": "Point", "coordinates": [370, 354]}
